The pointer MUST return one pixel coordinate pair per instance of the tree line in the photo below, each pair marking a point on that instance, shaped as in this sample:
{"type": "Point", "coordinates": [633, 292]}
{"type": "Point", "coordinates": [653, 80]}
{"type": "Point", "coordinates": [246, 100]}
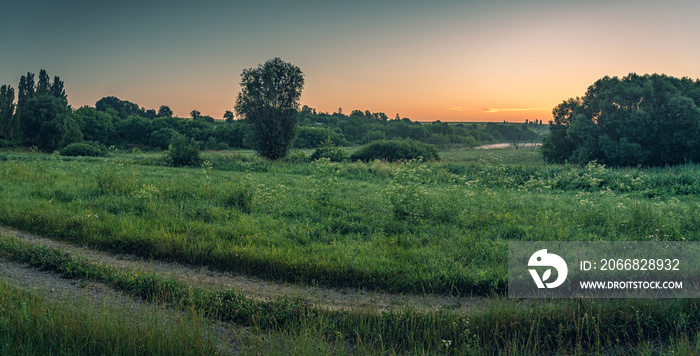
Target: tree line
{"type": "Point", "coordinates": [38, 114]}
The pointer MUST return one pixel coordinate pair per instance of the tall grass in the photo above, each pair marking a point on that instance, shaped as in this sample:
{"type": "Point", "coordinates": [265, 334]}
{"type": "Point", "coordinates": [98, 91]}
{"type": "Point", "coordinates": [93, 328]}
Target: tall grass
{"type": "Point", "coordinates": [33, 325]}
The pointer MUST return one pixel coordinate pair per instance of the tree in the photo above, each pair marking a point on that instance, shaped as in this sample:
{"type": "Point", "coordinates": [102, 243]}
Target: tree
{"type": "Point", "coordinates": [164, 111]}
{"type": "Point", "coordinates": [96, 125]}
{"type": "Point", "coordinates": [651, 120]}
{"type": "Point", "coordinates": [195, 114]}
{"type": "Point", "coordinates": [123, 108]}
{"type": "Point", "coordinates": [8, 124]}
{"type": "Point", "coordinates": [43, 113]}
{"type": "Point", "coordinates": [228, 115]}
{"type": "Point", "coordinates": [150, 113]}
{"type": "Point", "coordinates": [269, 102]}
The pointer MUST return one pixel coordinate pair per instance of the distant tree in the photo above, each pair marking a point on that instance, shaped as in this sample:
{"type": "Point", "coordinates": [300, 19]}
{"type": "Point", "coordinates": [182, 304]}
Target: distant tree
{"type": "Point", "coordinates": [44, 83]}
{"type": "Point", "coordinates": [357, 113]}
{"type": "Point", "coordinates": [8, 124]}
{"type": "Point", "coordinates": [123, 108]}
{"type": "Point", "coordinates": [269, 101]}
{"type": "Point", "coordinates": [150, 113]}
{"type": "Point", "coordinates": [162, 138]}
{"type": "Point", "coordinates": [164, 111]}
{"type": "Point", "coordinates": [43, 113]}
{"type": "Point", "coordinates": [397, 117]}
{"type": "Point", "coordinates": [57, 89]}
{"type": "Point", "coordinates": [96, 125]}
{"type": "Point", "coordinates": [195, 114]}
{"type": "Point", "coordinates": [228, 115]}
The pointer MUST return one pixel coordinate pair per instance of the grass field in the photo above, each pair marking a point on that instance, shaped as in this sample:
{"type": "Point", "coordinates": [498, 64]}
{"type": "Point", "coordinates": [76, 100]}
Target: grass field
{"type": "Point", "coordinates": [411, 227]}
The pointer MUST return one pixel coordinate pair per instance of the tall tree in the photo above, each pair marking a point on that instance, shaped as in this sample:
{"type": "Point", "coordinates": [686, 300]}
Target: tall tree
{"type": "Point", "coordinates": [42, 112]}
{"type": "Point", "coordinates": [44, 83]}
{"type": "Point", "coordinates": [195, 114]}
{"type": "Point", "coordinates": [57, 89]}
{"type": "Point", "coordinates": [269, 102]}
{"type": "Point", "coordinates": [8, 125]}
{"type": "Point", "coordinates": [164, 111]}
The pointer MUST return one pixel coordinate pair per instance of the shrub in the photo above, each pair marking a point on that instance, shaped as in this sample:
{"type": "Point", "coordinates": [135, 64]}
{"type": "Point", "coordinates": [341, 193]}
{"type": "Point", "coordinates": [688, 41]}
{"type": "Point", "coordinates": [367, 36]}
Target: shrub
{"type": "Point", "coordinates": [182, 152]}
{"type": "Point", "coordinates": [296, 156]}
{"type": "Point", "coordinates": [335, 154]}
{"type": "Point", "coordinates": [395, 150]}
{"type": "Point", "coordinates": [85, 148]}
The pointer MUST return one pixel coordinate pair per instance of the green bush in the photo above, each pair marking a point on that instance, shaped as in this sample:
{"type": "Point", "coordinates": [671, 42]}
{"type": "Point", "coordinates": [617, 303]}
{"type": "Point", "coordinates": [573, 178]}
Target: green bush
{"type": "Point", "coordinates": [85, 148]}
{"type": "Point", "coordinates": [395, 150]}
{"type": "Point", "coordinates": [296, 156]}
{"type": "Point", "coordinates": [335, 154]}
{"type": "Point", "coordinates": [7, 144]}
{"type": "Point", "coordinates": [182, 152]}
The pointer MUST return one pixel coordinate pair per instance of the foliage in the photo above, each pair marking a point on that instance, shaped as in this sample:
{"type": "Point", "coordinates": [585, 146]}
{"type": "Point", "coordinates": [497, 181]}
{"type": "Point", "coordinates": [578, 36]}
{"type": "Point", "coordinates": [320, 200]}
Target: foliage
{"type": "Point", "coordinates": [312, 137]}
{"type": "Point", "coordinates": [649, 120]}
{"type": "Point", "coordinates": [182, 152]}
{"type": "Point", "coordinates": [228, 116]}
{"type": "Point", "coordinates": [396, 150]}
{"type": "Point", "coordinates": [7, 144]}
{"type": "Point", "coordinates": [269, 101]}
{"type": "Point", "coordinates": [96, 125]}
{"type": "Point", "coordinates": [296, 156]}
{"type": "Point", "coordinates": [85, 148]}
{"type": "Point", "coordinates": [8, 122]}
{"type": "Point", "coordinates": [122, 108]}
{"type": "Point", "coordinates": [43, 113]}
{"type": "Point", "coordinates": [164, 111]}
{"type": "Point", "coordinates": [330, 151]}
{"type": "Point", "coordinates": [162, 138]}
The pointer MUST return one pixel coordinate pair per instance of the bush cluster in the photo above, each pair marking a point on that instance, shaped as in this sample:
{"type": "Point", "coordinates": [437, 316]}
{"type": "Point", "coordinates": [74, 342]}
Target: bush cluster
{"type": "Point", "coordinates": [396, 150]}
{"type": "Point", "coordinates": [85, 148]}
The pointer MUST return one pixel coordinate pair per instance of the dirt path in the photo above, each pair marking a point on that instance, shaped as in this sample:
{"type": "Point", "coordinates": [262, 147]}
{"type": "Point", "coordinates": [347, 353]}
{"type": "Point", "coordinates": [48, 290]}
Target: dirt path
{"type": "Point", "coordinates": [73, 292]}
{"type": "Point", "coordinates": [252, 287]}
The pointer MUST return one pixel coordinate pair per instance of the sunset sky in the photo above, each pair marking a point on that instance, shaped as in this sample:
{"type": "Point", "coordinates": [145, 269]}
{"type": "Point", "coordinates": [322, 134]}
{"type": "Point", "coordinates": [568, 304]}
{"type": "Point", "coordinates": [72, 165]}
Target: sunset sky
{"type": "Point", "coordinates": [440, 60]}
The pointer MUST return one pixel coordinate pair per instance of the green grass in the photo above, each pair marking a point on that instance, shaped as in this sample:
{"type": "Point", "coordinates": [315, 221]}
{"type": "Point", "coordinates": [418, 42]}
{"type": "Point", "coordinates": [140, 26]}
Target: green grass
{"type": "Point", "coordinates": [408, 227]}
{"type": "Point", "coordinates": [33, 325]}
{"type": "Point", "coordinates": [509, 327]}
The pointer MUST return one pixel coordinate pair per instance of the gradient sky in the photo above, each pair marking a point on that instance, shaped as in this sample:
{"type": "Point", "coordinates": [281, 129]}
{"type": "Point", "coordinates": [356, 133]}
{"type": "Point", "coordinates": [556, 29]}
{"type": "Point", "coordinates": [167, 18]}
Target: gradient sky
{"type": "Point", "coordinates": [441, 60]}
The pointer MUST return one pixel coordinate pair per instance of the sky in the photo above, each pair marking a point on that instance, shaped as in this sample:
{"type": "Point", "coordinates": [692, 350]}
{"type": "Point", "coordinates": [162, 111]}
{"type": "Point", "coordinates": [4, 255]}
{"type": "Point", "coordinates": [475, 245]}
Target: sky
{"type": "Point", "coordinates": [440, 60]}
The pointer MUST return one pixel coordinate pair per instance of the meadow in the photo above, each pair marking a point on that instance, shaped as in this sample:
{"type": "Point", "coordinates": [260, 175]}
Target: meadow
{"type": "Point", "coordinates": [409, 227]}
